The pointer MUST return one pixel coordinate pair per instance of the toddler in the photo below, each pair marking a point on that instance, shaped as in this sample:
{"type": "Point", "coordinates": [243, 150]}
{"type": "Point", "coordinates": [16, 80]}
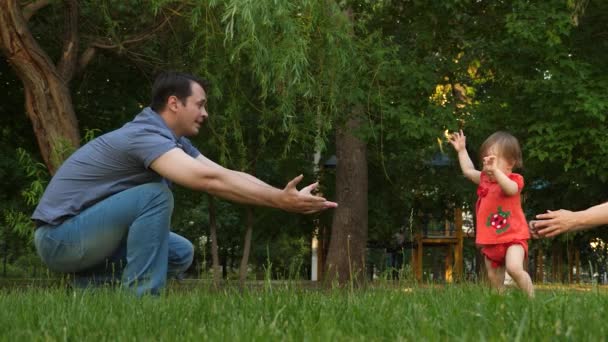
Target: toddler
{"type": "Point", "coordinates": [501, 227]}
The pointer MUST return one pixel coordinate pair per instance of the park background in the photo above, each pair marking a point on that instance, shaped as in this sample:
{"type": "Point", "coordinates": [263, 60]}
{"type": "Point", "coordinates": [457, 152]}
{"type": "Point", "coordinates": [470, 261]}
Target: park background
{"type": "Point", "coordinates": [356, 94]}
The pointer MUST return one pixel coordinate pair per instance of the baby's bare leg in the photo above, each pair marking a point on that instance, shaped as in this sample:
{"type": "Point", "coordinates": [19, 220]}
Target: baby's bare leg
{"type": "Point", "coordinates": [495, 275]}
{"type": "Point", "coordinates": [515, 267]}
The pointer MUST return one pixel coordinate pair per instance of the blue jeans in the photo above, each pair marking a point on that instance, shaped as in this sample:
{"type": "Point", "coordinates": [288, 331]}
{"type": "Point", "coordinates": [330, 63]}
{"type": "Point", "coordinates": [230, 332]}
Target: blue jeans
{"type": "Point", "coordinates": [126, 235]}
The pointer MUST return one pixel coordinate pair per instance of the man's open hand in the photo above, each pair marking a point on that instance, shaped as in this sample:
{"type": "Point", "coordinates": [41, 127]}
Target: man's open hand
{"type": "Point", "coordinates": [303, 201]}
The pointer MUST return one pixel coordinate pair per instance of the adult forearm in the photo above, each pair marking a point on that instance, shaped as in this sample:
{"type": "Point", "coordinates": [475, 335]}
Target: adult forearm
{"type": "Point", "coordinates": [594, 216]}
{"type": "Point", "coordinates": [253, 179]}
{"type": "Point", "coordinates": [553, 223]}
{"type": "Point", "coordinates": [241, 187]}
{"type": "Point", "coordinates": [204, 175]}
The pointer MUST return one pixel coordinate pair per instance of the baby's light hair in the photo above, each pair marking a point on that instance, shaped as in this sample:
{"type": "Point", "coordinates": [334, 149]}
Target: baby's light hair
{"type": "Point", "coordinates": [507, 146]}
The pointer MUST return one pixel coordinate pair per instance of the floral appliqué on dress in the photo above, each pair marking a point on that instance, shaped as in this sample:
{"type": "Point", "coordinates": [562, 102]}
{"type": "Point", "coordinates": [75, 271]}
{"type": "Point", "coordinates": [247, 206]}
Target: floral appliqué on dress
{"type": "Point", "coordinates": [499, 221]}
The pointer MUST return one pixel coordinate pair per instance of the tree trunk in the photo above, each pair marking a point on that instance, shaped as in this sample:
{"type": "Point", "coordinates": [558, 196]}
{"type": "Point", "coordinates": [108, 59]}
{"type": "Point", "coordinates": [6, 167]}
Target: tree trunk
{"type": "Point", "coordinates": [570, 257]}
{"type": "Point", "coordinates": [47, 97]}
{"type": "Point", "coordinates": [346, 255]}
{"type": "Point", "coordinates": [214, 246]}
{"type": "Point", "coordinates": [557, 263]}
{"type": "Point", "coordinates": [459, 256]}
{"type": "Point", "coordinates": [225, 265]}
{"type": "Point", "coordinates": [246, 249]}
{"type": "Point", "coordinates": [577, 264]}
{"type": "Point", "coordinates": [540, 264]}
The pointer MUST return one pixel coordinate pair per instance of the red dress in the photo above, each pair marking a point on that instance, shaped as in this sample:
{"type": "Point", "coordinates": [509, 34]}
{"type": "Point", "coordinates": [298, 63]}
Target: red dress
{"type": "Point", "coordinates": [500, 218]}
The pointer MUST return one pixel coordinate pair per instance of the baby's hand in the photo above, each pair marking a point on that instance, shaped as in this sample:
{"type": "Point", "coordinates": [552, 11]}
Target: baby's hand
{"type": "Point", "coordinates": [489, 164]}
{"type": "Point", "coordinates": [458, 140]}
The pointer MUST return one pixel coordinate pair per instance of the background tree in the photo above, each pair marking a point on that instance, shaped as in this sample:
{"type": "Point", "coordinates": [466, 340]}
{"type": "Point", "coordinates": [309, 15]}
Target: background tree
{"type": "Point", "coordinates": [48, 100]}
{"type": "Point", "coordinates": [287, 77]}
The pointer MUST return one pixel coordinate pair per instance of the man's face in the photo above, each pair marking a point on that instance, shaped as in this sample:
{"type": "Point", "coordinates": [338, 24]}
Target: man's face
{"type": "Point", "coordinates": [192, 114]}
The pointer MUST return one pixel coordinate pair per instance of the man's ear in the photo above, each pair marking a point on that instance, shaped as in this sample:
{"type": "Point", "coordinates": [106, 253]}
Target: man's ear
{"type": "Point", "coordinates": [172, 103]}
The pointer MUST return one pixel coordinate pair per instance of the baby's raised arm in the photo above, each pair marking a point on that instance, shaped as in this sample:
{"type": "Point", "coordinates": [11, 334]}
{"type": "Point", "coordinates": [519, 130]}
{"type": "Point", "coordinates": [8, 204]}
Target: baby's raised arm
{"type": "Point", "coordinates": [490, 167]}
{"type": "Point", "coordinates": [459, 141]}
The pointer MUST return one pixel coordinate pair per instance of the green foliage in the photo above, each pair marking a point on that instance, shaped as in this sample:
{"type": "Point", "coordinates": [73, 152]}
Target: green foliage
{"type": "Point", "coordinates": [18, 221]}
{"type": "Point", "coordinates": [285, 74]}
{"type": "Point", "coordinates": [18, 229]}
{"type": "Point", "coordinates": [90, 134]}
{"type": "Point", "coordinates": [35, 171]}
{"type": "Point", "coordinates": [278, 63]}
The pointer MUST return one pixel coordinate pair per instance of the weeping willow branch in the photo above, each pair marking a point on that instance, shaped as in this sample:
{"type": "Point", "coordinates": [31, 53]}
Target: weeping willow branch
{"type": "Point", "coordinates": [98, 43]}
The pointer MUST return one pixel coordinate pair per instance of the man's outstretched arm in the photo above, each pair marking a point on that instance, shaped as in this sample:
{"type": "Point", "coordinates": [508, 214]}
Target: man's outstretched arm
{"type": "Point", "coordinates": [553, 223]}
{"type": "Point", "coordinates": [204, 175]}
{"type": "Point", "coordinates": [247, 176]}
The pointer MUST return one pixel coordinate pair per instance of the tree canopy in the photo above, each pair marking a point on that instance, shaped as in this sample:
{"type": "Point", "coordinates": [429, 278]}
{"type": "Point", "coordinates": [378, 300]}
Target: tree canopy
{"type": "Point", "coordinates": [286, 75]}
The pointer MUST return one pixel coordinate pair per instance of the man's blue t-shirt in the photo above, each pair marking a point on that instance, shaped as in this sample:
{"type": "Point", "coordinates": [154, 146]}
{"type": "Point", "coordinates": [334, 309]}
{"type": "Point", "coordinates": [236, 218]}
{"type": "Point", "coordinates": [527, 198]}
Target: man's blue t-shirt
{"type": "Point", "coordinates": [107, 165]}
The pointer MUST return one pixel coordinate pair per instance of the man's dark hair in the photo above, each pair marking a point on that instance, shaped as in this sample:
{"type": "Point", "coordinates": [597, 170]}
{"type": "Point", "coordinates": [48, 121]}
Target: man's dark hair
{"type": "Point", "coordinates": [171, 83]}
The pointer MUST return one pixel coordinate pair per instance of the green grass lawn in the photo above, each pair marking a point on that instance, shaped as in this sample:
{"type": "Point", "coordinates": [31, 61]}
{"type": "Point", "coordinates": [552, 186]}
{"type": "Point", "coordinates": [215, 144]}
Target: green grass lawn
{"type": "Point", "coordinates": [459, 312]}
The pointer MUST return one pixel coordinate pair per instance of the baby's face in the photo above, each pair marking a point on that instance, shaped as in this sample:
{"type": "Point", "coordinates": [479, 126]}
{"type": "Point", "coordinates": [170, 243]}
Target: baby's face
{"type": "Point", "coordinates": [499, 162]}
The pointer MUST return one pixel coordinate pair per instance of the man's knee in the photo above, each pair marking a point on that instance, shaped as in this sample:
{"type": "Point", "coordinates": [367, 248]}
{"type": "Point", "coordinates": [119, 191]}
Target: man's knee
{"type": "Point", "coordinates": [181, 251]}
{"type": "Point", "coordinates": [158, 192]}
{"type": "Point", "coordinates": [187, 254]}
